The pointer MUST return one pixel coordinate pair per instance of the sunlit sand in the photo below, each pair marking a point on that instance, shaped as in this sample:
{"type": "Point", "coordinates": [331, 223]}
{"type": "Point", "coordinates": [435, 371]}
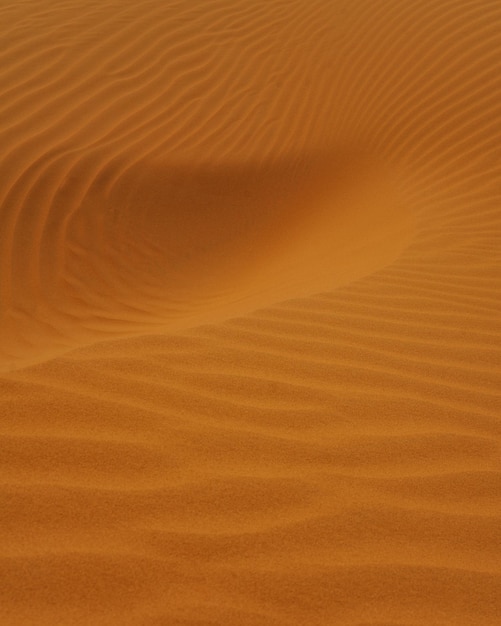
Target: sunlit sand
{"type": "Point", "coordinates": [250, 318]}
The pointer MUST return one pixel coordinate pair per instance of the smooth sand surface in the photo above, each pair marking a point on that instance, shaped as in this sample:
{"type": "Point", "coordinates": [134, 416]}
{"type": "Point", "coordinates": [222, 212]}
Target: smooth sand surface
{"type": "Point", "coordinates": [250, 294]}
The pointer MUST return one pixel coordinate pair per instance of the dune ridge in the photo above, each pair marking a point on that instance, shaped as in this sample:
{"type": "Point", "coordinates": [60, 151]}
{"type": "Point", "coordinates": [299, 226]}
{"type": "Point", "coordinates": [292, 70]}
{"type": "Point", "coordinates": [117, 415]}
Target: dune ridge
{"type": "Point", "coordinates": [249, 313]}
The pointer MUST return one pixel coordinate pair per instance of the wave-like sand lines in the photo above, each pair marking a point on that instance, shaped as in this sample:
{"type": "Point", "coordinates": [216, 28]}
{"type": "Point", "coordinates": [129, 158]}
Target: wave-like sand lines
{"type": "Point", "coordinates": [249, 313]}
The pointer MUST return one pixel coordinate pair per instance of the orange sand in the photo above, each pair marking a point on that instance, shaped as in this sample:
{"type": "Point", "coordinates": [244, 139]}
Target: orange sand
{"type": "Point", "coordinates": [250, 317]}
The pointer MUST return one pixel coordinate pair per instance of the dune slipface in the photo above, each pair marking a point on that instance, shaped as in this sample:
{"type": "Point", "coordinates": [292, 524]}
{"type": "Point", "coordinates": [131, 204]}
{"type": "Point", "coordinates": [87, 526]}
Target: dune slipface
{"type": "Point", "coordinates": [249, 312]}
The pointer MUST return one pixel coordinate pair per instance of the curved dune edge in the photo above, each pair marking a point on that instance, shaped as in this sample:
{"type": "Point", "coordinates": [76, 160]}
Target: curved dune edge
{"type": "Point", "coordinates": [320, 455]}
{"type": "Point", "coordinates": [173, 247]}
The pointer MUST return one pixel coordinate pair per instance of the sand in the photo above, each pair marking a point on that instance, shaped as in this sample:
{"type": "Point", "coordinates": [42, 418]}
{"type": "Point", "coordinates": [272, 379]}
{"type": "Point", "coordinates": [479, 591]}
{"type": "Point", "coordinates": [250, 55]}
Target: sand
{"type": "Point", "coordinates": [250, 285]}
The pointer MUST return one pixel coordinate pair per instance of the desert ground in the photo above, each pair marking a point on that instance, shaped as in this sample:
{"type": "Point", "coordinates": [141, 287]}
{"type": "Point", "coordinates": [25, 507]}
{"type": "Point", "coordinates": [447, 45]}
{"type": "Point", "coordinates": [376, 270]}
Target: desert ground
{"type": "Point", "coordinates": [250, 313]}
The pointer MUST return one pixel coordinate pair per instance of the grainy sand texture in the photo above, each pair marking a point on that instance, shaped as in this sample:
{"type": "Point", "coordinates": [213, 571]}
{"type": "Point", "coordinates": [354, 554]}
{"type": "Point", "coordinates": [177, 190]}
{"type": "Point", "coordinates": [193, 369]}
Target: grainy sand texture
{"type": "Point", "coordinates": [250, 312]}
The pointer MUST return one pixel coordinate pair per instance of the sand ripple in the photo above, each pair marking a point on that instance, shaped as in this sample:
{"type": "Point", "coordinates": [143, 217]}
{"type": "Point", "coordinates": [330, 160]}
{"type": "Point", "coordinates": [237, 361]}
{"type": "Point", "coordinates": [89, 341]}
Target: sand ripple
{"type": "Point", "coordinates": [249, 313]}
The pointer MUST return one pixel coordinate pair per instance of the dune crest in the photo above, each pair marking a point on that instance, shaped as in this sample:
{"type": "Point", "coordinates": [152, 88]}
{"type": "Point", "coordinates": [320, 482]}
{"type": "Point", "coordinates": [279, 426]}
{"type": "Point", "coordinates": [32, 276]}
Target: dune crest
{"type": "Point", "coordinates": [176, 247]}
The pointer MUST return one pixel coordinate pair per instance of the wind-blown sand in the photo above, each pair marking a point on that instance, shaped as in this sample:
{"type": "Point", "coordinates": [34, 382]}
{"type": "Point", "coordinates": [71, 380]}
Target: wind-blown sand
{"type": "Point", "coordinates": [250, 317]}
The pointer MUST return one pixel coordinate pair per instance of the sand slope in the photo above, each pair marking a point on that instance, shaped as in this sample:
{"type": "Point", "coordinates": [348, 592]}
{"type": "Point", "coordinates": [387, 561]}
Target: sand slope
{"type": "Point", "coordinates": [249, 313]}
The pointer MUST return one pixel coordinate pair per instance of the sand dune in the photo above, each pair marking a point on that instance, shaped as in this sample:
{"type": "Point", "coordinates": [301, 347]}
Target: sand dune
{"type": "Point", "coordinates": [249, 312]}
